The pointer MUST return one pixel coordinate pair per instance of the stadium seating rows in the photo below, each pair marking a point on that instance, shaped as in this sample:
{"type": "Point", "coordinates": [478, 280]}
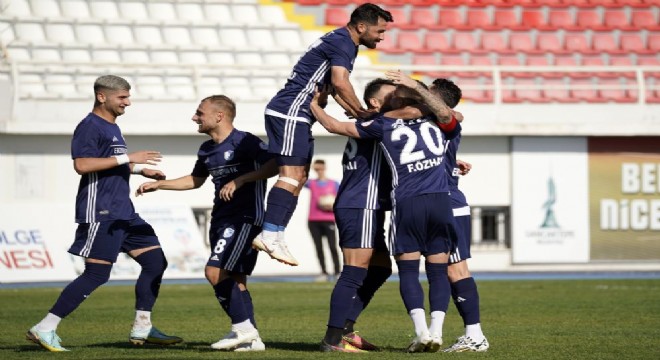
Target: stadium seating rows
{"type": "Point", "coordinates": [525, 33]}
{"type": "Point", "coordinates": [246, 35]}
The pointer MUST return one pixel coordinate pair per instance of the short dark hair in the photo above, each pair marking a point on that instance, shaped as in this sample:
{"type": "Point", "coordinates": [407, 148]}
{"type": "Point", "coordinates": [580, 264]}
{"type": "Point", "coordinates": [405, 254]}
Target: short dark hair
{"type": "Point", "coordinates": [319, 162]}
{"type": "Point", "coordinates": [223, 102]}
{"type": "Point", "coordinates": [373, 87]}
{"type": "Point", "coordinates": [449, 92]}
{"type": "Point", "coordinates": [369, 13]}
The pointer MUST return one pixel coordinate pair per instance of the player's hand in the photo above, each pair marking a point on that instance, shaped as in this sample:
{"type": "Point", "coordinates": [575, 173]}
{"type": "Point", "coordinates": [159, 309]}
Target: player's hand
{"type": "Point", "coordinates": [148, 157]}
{"type": "Point", "coordinates": [399, 78]}
{"type": "Point", "coordinates": [153, 174]}
{"type": "Point", "coordinates": [457, 115]}
{"type": "Point", "coordinates": [146, 188]}
{"type": "Point", "coordinates": [464, 167]}
{"type": "Point", "coordinates": [227, 191]}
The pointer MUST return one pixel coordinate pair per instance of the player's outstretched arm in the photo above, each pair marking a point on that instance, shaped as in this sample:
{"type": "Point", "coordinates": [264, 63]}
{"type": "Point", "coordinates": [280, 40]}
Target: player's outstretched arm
{"type": "Point", "coordinates": [89, 165]}
{"type": "Point", "coordinates": [328, 122]}
{"type": "Point", "coordinates": [267, 170]}
{"type": "Point", "coordinates": [187, 182]}
{"type": "Point", "coordinates": [345, 91]}
{"type": "Point", "coordinates": [441, 111]}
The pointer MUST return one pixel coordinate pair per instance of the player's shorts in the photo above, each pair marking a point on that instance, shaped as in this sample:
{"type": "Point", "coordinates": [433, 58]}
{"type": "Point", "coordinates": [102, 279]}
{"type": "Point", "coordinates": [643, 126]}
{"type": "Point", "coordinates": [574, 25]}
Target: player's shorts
{"type": "Point", "coordinates": [423, 223]}
{"type": "Point", "coordinates": [289, 138]}
{"type": "Point", "coordinates": [463, 222]}
{"type": "Point", "coordinates": [361, 229]}
{"type": "Point", "coordinates": [231, 246]}
{"type": "Point", "coordinates": [105, 240]}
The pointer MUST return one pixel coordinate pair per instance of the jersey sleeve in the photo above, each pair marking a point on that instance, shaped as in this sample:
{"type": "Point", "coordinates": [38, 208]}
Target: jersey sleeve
{"type": "Point", "coordinates": [200, 169]}
{"type": "Point", "coordinates": [370, 129]}
{"type": "Point", "coordinates": [85, 142]}
{"type": "Point", "coordinates": [341, 53]}
{"type": "Point", "coordinates": [256, 149]}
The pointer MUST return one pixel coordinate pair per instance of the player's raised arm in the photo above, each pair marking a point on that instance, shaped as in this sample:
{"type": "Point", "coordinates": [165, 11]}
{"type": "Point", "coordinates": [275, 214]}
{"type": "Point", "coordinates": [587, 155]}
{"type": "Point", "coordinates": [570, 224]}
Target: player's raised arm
{"type": "Point", "coordinates": [438, 107]}
{"type": "Point", "coordinates": [346, 93]}
{"type": "Point", "coordinates": [328, 122]}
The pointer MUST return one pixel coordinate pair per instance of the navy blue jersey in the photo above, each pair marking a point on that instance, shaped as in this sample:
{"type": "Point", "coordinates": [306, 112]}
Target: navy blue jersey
{"type": "Point", "coordinates": [457, 197]}
{"type": "Point", "coordinates": [335, 48]}
{"type": "Point", "coordinates": [240, 153]}
{"type": "Point", "coordinates": [414, 150]}
{"type": "Point", "coordinates": [366, 180]}
{"type": "Point", "coordinates": [102, 195]}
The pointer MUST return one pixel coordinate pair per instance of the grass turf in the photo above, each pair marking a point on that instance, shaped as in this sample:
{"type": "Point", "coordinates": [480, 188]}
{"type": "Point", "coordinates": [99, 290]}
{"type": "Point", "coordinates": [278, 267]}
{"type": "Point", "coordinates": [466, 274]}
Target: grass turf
{"type": "Point", "coordinates": [544, 319]}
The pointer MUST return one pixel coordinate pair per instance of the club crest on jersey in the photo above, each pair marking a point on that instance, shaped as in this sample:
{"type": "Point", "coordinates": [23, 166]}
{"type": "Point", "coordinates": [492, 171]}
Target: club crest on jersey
{"type": "Point", "coordinates": [229, 232]}
{"type": "Point", "coordinates": [229, 154]}
{"type": "Point", "coordinates": [114, 139]}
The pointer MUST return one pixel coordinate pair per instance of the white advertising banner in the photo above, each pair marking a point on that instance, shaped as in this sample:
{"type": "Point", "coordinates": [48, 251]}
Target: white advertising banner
{"type": "Point", "coordinates": [34, 239]}
{"type": "Point", "coordinates": [550, 200]}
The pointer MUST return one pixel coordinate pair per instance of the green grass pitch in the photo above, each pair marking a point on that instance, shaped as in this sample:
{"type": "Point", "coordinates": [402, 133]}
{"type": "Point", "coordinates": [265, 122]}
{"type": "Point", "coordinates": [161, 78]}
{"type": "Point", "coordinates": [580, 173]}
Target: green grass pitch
{"type": "Point", "coordinates": [543, 319]}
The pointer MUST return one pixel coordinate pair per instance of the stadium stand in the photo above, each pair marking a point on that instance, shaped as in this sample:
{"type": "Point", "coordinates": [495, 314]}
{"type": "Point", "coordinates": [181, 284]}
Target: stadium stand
{"type": "Point", "coordinates": [611, 41]}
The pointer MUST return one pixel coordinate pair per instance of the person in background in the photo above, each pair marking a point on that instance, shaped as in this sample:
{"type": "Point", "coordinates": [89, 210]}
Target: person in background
{"type": "Point", "coordinates": [321, 219]}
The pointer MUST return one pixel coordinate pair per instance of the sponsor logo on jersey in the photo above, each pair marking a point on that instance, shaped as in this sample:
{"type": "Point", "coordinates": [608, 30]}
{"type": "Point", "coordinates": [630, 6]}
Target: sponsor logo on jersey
{"type": "Point", "coordinates": [114, 139]}
{"type": "Point", "coordinates": [229, 154]}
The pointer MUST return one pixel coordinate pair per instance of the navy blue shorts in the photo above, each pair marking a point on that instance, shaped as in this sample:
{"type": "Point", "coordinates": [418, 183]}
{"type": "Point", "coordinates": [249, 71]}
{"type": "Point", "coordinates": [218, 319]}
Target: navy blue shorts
{"type": "Point", "coordinates": [423, 223]}
{"type": "Point", "coordinates": [231, 246]}
{"type": "Point", "coordinates": [290, 140]}
{"type": "Point", "coordinates": [463, 221]}
{"type": "Point", "coordinates": [361, 229]}
{"type": "Point", "coordinates": [105, 240]}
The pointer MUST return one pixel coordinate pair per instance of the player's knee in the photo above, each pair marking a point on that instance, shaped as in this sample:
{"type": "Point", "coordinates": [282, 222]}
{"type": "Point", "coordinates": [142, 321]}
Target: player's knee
{"type": "Point", "coordinates": [153, 261]}
{"type": "Point", "coordinates": [99, 274]}
{"type": "Point", "coordinates": [458, 271]}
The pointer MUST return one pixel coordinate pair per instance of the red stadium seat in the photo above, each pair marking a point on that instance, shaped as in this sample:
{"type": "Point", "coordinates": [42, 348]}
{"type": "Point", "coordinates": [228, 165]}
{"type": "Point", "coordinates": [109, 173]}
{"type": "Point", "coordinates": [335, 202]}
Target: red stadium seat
{"type": "Point", "coordinates": [549, 42]}
{"type": "Point", "coordinates": [465, 41]}
{"type": "Point", "coordinates": [452, 59]}
{"type": "Point", "coordinates": [390, 44]}
{"type": "Point", "coordinates": [621, 60]}
{"type": "Point", "coordinates": [337, 16]}
{"type": "Point", "coordinates": [644, 20]}
{"type": "Point", "coordinates": [410, 41]}
{"type": "Point", "coordinates": [584, 90]}
{"type": "Point", "coordinates": [450, 19]}
{"type": "Point", "coordinates": [425, 59]}
{"type": "Point", "coordinates": [478, 19]}
{"type": "Point", "coordinates": [613, 90]}
{"type": "Point", "coordinates": [521, 42]}
{"type": "Point", "coordinates": [423, 18]}
{"type": "Point", "coordinates": [588, 19]}
{"type": "Point", "coordinates": [537, 60]}
{"type": "Point", "coordinates": [556, 90]}
{"type": "Point", "coordinates": [648, 60]}
{"type": "Point", "coordinates": [481, 60]}
{"type": "Point", "coordinates": [576, 42]}
{"type": "Point", "coordinates": [526, 89]}
{"type": "Point", "coordinates": [565, 60]}
{"type": "Point", "coordinates": [436, 41]}
{"type": "Point", "coordinates": [616, 19]}
{"type": "Point", "coordinates": [533, 19]}
{"type": "Point", "coordinates": [506, 19]}
{"type": "Point", "coordinates": [632, 43]}
{"type": "Point", "coordinates": [605, 42]}
{"type": "Point", "coordinates": [509, 60]}
{"type": "Point", "coordinates": [494, 41]}
{"type": "Point", "coordinates": [560, 19]}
